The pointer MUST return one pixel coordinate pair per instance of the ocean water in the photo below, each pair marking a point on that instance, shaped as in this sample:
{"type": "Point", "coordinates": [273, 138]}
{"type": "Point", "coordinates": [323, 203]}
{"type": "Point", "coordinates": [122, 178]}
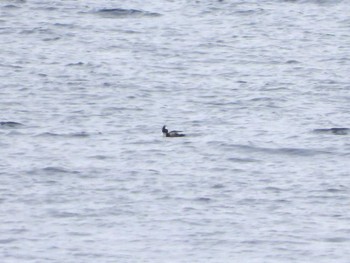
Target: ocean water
{"type": "Point", "coordinates": [257, 86]}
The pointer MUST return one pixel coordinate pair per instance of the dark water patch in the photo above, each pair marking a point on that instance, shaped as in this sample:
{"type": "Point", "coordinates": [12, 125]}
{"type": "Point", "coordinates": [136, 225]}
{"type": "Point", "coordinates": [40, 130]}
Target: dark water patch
{"type": "Point", "coordinates": [38, 30]}
{"type": "Point", "coordinates": [18, 1]}
{"type": "Point", "coordinates": [51, 170]}
{"type": "Point", "coordinates": [317, 2]}
{"type": "Point", "coordinates": [64, 214]}
{"type": "Point", "coordinates": [75, 64]}
{"type": "Point", "coordinates": [242, 160]}
{"type": "Point", "coordinates": [7, 241]}
{"type": "Point", "coordinates": [327, 82]}
{"type": "Point", "coordinates": [283, 201]}
{"type": "Point", "coordinates": [273, 189]}
{"type": "Point", "coordinates": [253, 201]}
{"type": "Point", "coordinates": [123, 13]}
{"type": "Point", "coordinates": [292, 62]}
{"type": "Point", "coordinates": [45, 8]}
{"type": "Point", "coordinates": [330, 192]}
{"type": "Point", "coordinates": [14, 133]}
{"type": "Point", "coordinates": [297, 151]}
{"type": "Point", "coordinates": [337, 239]}
{"type": "Point", "coordinates": [55, 170]}
{"type": "Point", "coordinates": [223, 103]}
{"type": "Point", "coordinates": [121, 109]}
{"type": "Point", "coordinates": [248, 12]}
{"type": "Point", "coordinates": [335, 131]}
{"type": "Point", "coordinates": [100, 157]}
{"type": "Point", "coordinates": [262, 99]}
{"type": "Point", "coordinates": [79, 234]}
{"type": "Point", "coordinates": [322, 196]}
{"type": "Point", "coordinates": [64, 135]}
{"type": "Point", "coordinates": [63, 25]}
{"type": "Point", "coordinates": [218, 186]}
{"type": "Point", "coordinates": [10, 7]}
{"type": "Point", "coordinates": [335, 190]}
{"type": "Point", "coordinates": [268, 87]}
{"type": "Point", "coordinates": [203, 199]}
{"type": "Point", "coordinates": [19, 230]}
{"type": "Point", "coordinates": [47, 134]}
{"type": "Point", "coordinates": [11, 66]}
{"type": "Point", "coordinates": [10, 124]}
{"type": "Point", "coordinates": [46, 39]}
{"type": "Point", "coordinates": [278, 151]}
{"type": "Point", "coordinates": [5, 30]}
{"type": "Point", "coordinates": [241, 81]}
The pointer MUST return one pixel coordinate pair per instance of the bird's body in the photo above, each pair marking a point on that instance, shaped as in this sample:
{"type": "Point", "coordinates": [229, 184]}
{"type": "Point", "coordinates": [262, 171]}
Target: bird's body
{"type": "Point", "coordinates": [166, 133]}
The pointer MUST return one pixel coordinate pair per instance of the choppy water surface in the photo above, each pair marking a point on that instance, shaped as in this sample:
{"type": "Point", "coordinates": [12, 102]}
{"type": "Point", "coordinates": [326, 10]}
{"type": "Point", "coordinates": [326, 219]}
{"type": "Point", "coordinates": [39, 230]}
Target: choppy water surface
{"type": "Point", "coordinates": [257, 86]}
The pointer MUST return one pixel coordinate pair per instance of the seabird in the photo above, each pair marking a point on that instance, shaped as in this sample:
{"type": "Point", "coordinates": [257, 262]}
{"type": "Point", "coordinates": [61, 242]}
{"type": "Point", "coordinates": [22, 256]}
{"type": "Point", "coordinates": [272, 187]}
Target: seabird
{"type": "Point", "coordinates": [166, 133]}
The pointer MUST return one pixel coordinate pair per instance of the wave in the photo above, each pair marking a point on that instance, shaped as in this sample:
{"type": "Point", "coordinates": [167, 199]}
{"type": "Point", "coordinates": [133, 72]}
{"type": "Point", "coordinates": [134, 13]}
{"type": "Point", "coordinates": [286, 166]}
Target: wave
{"type": "Point", "coordinates": [72, 135]}
{"type": "Point", "coordinates": [52, 170]}
{"type": "Point", "coordinates": [279, 151]}
{"type": "Point", "coordinates": [321, 2]}
{"type": "Point", "coordinates": [10, 124]}
{"type": "Point", "coordinates": [120, 12]}
{"type": "Point", "coordinates": [335, 131]}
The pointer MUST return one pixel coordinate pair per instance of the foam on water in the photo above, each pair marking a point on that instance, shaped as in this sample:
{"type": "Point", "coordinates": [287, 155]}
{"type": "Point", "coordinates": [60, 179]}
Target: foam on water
{"type": "Point", "coordinates": [260, 88]}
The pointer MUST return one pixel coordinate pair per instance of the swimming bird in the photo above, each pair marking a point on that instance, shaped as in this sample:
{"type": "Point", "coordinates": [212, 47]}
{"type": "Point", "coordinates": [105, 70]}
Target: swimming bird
{"type": "Point", "coordinates": [166, 133]}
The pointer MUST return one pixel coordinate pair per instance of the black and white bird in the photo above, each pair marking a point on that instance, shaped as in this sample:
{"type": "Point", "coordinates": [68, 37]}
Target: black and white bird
{"type": "Point", "coordinates": [166, 133]}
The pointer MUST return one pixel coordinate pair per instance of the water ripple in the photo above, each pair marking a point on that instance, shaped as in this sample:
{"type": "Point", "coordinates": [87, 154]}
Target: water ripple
{"type": "Point", "coordinates": [122, 13]}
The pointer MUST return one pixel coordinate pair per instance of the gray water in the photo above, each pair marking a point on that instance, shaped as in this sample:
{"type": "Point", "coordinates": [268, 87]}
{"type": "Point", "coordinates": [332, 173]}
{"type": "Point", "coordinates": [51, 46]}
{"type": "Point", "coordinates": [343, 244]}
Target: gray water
{"type": "Point", "coordinates": [86, 175]}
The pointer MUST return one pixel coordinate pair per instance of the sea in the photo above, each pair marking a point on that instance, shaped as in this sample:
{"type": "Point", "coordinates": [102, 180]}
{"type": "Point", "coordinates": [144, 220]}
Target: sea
{"type": "Point", "coordinates": [260, 88]}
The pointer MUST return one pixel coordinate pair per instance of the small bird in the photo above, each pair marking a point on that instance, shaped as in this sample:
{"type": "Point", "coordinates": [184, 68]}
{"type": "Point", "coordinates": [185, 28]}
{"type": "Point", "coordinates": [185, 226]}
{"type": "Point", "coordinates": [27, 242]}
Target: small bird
{"type": "Point", "coordinates": [166, 133]}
